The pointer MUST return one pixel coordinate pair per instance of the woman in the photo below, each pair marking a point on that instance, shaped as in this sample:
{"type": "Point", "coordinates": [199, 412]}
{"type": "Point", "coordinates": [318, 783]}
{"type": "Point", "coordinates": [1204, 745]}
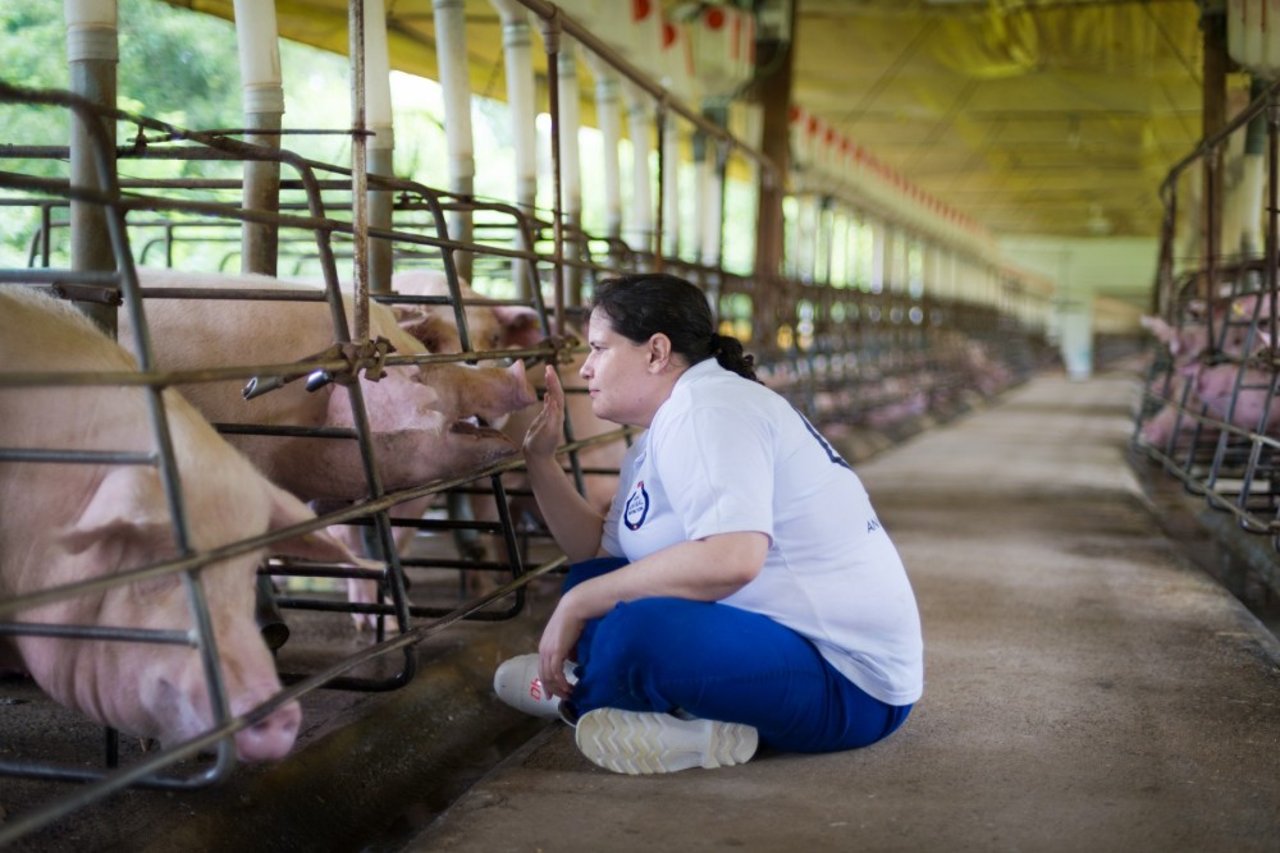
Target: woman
{"type": "Point", "coordinates": [740, 590]}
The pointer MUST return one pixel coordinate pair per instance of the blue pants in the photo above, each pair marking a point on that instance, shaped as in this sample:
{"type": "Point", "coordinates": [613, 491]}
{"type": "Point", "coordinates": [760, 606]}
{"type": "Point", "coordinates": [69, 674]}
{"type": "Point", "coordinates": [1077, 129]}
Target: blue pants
{"type": "Point", "coordinates": [721, 663]}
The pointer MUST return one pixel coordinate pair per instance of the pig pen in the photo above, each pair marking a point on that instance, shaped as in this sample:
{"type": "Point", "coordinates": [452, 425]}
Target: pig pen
{"type": "Point", "coordinates": [331, 653]}
{"type": "Point", "coordinates": [868, 368]}
{"type": "Point", "coordinates": [1208, 414]}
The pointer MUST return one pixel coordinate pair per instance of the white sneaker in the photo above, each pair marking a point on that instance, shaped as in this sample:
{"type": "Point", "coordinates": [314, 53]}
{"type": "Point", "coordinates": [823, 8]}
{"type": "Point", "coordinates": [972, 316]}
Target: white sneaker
{"type": "Point", "coordinates": [637, 742]}
{"type": "Point", "coordinates": [516, 682]}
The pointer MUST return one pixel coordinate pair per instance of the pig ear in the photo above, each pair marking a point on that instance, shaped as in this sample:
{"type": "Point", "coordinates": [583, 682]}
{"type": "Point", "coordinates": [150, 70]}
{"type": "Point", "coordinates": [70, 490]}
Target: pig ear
{"type": "Point", "coordinates": [130, 502]}
{"type": "Point", "coordinates": [430, 330]}
{"type": "Point", "coordinates": [286, 510]}
{"type": "Point", "coordinates": [1158, 327]}
{"type": "Point", "coordinates": [520, 326]}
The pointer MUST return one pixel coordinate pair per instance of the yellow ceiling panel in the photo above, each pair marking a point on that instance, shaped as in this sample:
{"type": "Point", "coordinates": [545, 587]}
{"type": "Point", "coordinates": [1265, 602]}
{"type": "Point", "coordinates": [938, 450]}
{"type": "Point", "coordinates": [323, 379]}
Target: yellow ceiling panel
{"type": "Point", "coordinates": [1031, 117]}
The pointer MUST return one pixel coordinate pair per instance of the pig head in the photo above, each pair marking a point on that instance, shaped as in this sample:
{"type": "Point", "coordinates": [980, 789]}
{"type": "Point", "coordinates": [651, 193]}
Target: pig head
{"type": "Point", "coordinates": [489, 326]}
{"type": "Point", "coordinates": [427, 422]}
{"type": "Point", "coordinates": [1233, 319]}
{"type": "Point", "coordinates": [513, 327]}
{"type": "Point", "coordinates": [65, 523]}
{"type": "Point", "coordinates": [494, 327]}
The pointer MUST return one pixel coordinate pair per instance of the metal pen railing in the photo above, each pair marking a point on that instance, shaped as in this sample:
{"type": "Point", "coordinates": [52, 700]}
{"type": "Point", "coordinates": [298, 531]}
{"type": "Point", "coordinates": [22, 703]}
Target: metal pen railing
{"type": "Point", "coordinates": [1209, 412]}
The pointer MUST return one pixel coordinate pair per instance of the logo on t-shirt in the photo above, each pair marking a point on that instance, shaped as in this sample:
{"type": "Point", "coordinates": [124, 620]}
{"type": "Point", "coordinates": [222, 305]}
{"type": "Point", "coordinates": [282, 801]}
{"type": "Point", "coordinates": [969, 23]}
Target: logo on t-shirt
{"type": "Point", "coordinates": [637, 507]}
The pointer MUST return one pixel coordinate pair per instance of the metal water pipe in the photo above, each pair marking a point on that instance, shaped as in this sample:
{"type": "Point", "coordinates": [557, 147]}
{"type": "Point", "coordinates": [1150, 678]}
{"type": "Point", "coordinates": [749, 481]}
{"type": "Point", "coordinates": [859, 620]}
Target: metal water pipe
{"type": "Point", "coordinates": [359, 171]}
{"type": "Point", "coordinates": [380, 151]}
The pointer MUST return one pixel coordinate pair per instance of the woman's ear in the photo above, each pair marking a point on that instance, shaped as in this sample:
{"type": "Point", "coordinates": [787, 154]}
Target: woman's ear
{"type": "Point", "coordinates": [659, 352]}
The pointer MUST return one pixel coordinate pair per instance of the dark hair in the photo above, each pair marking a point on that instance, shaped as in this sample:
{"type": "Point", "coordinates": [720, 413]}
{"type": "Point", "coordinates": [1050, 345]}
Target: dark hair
{"type": "Point", "coordinates": [642, 305]}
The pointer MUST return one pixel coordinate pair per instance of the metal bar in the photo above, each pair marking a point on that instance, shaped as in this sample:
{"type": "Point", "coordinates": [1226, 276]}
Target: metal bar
{"type": "Point", "coordinates": [96, 632]}
{"type": "Point", "coordinates": [80, 457]}
{"type": "Point", "coordinates": [147, 378]}
{"type": "Point", "coordinates": [660, 121]}
{"type": "Point", "coordinates": [551, 40]}
{"type": "Point", "coordinates": [1272, 240]}
{"type": "Point", "coordinates": [359, 169]}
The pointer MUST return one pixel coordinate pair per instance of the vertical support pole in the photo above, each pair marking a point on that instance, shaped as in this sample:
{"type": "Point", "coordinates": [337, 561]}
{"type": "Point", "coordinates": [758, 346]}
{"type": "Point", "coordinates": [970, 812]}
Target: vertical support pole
{"type": "Point", "coordinates": [263, 104]}
{"type": "Point", "coordinates": [451, 54]}
{"type": "Point", "coordinates": [670, 198]}
{"type": "Point", "coordinates": [92, 55]}
{"type": "Point", "coordinates": [359, 177]}
{"type": "Point", "coordinates": [879, 254]}
{"type": "Point", "coordinates": [517, 46]}
{"type": "Point", "coordinates": [1213, 24]}
{"type": "Point", "coordinates": [607, 94]}
{"type": "Point", "coordinates": [715, 171]}
{"type": "Point", "coordinates": [660, 223]}
{"type": "Point", "coordinates": [1249, 197]}
{"type": "Point", "coordinates": [551, 34]}
{"type": "Point", "coordinates": [1162, 295]}
{"type": "Point", "coordinates": [642, 186]}
{"type": "Point", "coordinates": [773, 92]}
{"type": "Point", "coordinates": [826, 238]}
{"type": "Point", "coordinates": [1272, 238]}
{"type": "Point", "coordinates": [380, 153]}
{"type": "Point", "coordinates": [570, 113]}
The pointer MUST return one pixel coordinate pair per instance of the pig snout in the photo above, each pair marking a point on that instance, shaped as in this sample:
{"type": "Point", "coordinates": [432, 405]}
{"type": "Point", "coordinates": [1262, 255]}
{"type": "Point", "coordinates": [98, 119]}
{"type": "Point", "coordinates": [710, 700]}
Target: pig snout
{"type": "Point", "coordinates": [498, 392]}
{"type": "Point", "coordinates": [182, 710]}
{"type": "Point", "coordinates": [271, 738]}
{"type": "Point", "coordinates": [522, 392]}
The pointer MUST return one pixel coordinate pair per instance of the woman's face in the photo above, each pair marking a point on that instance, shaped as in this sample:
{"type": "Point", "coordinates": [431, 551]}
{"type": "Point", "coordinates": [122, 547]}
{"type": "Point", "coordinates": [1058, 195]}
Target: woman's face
{"type": "Point", "coordinates": [618, 375]}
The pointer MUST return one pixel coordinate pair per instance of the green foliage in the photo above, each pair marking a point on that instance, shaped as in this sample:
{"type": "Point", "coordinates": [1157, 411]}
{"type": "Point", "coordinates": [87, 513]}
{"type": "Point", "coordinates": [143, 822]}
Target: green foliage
{"type": "Point", "coordinates": [174, 65]}
{"type": "Point", "coordinates": [182, 68]}
{"type": "Point", "coordinates": [198, 86]}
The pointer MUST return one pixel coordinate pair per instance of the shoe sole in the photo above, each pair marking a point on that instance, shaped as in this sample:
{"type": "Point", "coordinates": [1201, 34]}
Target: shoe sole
{"type": "Point", "coordinates": [636, 743]}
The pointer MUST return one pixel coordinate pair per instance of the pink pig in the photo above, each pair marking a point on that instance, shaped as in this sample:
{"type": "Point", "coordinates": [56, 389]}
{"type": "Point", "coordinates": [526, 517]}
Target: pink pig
{"type": "Point", "coordinates": [1253, 411]}
{"type": "Point", "coordinates": [70, 522]}
{"type": "Point", "coordinates": [512, 327]}
{"type": "Point", "coordinates": [428, 422]}
{"type": "Point", "coordinates": [1215, 383]}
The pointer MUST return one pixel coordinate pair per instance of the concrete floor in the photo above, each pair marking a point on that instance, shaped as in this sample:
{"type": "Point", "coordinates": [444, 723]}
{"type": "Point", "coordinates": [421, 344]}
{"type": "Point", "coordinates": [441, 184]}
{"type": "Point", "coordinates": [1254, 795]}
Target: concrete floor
{"type": "Point", "coordinates": [1086, 688]}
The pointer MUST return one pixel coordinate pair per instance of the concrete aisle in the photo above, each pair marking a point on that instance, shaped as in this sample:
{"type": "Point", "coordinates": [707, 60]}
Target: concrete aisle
{"type": "Point", "coordinates": [1086, 688]}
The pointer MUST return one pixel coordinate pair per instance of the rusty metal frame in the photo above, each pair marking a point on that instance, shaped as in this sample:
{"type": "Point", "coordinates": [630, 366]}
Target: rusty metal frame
{"type": "Point", "coordinates": [1221, 460]}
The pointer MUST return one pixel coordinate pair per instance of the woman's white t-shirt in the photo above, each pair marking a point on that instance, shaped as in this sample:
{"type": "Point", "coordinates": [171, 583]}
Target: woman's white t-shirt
{"type": "Point", "coordinates": [726, 455]}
